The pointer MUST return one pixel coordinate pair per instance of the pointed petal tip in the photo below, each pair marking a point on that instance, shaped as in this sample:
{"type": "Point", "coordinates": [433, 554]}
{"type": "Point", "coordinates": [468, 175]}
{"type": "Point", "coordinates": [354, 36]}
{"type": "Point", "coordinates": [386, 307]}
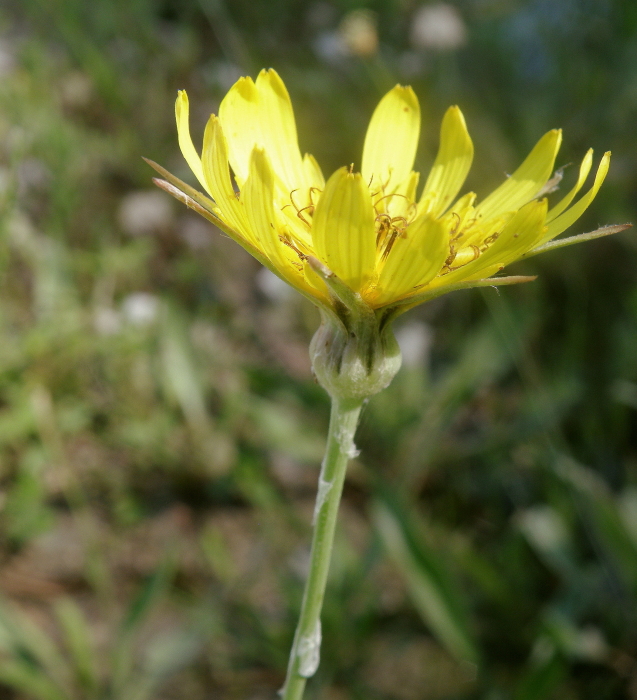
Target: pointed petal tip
{"type": "Point", "coordinates": [259, 158]}
{"type": "Point", "coordinates": [455, 113]}
{"type": "Point", "coordinates": [555, 135]}
{"type": "Point", "coordinates": [245, 86]}
{"type": "Point", "coordinates": [405, 93]}
{"type": "Point", "coordinates": [269, 77]}
{"type": "Point", "coordinates": [391, 140]}
{"type": "Point", "coordinates": [181, 102]}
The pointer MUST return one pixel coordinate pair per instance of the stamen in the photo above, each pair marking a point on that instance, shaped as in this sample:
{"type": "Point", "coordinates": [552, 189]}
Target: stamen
{"type": "Point", "coordinates": [400, 218]}
{"type": "Point", "coordinates": [396, 231]}
{"type": "Point", "coordinates": [390, 243]}
{"type": "Point", "coordinates": [451, 257]}
{"type": "Point", "coordinates": [464, 256]}
{"type": "Point", "coordinates": [489, 240]}
{"type": "Point", "coordinates": [384, 221]}
{"type": "Point", "coordinates": [455, 228]}
{"type": "Point", "coordinates": [393, 194]}
{"type": "Point", "coordinates": [300, 215]}
{"type": "Point", "coordinates": [285, 239]}
{"type": "Point", "coordinates": [292, 199]}
{"type": "Point", "coordinates": [312, 191]}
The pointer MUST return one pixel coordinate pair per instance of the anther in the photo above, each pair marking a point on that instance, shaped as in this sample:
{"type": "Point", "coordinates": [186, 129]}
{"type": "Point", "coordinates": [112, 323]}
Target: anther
{"type": "Point", "coordinates": [286, 241]}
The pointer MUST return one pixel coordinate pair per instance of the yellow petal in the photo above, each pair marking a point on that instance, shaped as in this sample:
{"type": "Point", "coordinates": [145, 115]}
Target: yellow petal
{"type": "Point", "coordinates": [401, 201]}
{"type": "Point", "coordinates": [258, 196]}
{"type": "Point", "coordinates": [391, 140]}
{"type": "Point", "coordinates": [260, 114]}
{"type": "Point", "coordinates": [313, 173]}
{"type": "Point", "coordinates": [585, 168]}
{"type": "Point", "coordinates": [519, 234]}
{"type": "Point", "coordinates": [182, 114]}
{"type": "Point", "coordinates": [413, 261]}
{"type": "Point", "coordinates": [453, 161]}
{"type": "Point", "coordinates": [217, 178]}
{"type": "Point", "coordinates": [462, 209]}
{"type": "Point", "coordinates": [343, 228]}
{"type": "Point", "coordinates": [570, 216]}
{"type": "Point", "coordinates": [527, 180]}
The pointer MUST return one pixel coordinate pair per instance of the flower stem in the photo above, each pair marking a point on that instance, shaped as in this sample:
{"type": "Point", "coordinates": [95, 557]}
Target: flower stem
{"type": "Point", "coordinates": [304, 657]}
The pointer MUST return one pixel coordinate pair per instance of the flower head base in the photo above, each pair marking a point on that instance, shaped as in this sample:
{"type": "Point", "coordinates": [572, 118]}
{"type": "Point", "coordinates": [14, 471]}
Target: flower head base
{"type": "Point", "coordinates": [370, 234]}
{"type": "Point", "coordinates": [354, 352]}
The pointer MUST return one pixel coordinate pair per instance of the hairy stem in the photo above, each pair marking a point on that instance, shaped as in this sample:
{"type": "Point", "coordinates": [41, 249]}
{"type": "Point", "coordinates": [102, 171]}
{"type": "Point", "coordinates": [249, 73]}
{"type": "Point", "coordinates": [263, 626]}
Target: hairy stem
{"type": "Point", "coordinates": [304, 657]}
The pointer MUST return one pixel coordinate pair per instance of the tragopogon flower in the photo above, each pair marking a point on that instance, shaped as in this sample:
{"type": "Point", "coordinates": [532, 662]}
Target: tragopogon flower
{"type": "Point", "coordinates": [385, 242]}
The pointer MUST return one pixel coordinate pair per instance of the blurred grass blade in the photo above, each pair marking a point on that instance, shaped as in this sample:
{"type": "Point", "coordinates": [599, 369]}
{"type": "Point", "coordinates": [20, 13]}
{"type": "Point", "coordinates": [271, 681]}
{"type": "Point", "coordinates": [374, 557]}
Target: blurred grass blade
{"type": "Point", "coordinates": [78, 642]}
{"type": "Point", "coordinates": [482, 360]}
{"type": "Point", "coordinates": [166, 654]}
{"type": "Point", "coordinates": [22, 676]}
{"type": "Point", "coordinates": [153, 590]}
{"type": "Point", "coordinates": [545, 672]}
{"type": "Point", "coordinates": [149, 596]}
{"type": "Point", "coordinates": [28, 642]}
{"type": "Point", "coordinates": [429, 585]}
{"type": "Point", "coordinates": [182, 373]}
{"type": "Point", "coordinates": [602, 510]}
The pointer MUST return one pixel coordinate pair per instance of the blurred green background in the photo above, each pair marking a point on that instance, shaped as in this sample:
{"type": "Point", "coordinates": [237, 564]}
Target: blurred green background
{"type": "Point", "coordinates": [160, 432]}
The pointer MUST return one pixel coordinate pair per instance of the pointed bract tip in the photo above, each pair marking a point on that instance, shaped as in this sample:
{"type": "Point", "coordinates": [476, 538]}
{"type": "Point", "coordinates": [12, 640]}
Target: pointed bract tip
{"type": "Point", "coordinates": [322, 270]}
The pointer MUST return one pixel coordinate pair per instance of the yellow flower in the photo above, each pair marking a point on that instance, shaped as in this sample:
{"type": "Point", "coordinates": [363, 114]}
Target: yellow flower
{"type": "Point", "coordinates": [370, 233]}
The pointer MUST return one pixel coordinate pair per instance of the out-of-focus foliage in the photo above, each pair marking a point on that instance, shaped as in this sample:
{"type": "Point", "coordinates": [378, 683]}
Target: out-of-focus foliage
{"type": "Point", "coordinates": [160, 432]}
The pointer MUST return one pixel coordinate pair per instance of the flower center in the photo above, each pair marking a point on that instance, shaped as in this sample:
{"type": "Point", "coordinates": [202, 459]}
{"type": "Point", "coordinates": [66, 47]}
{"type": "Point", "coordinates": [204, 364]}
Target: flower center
{"type": "Point", "coordinates": [391, 225]}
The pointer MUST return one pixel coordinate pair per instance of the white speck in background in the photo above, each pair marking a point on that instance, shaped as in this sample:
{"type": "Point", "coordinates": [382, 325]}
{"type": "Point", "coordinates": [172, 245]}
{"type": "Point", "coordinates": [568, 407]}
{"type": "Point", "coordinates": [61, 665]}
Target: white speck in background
{"type": "Point", "coordinates": [145, 212]}
{"type": "Point", "coordinates": [438, 27]}
{"type": "Point", "coordinates": [140, 308]}
{"type": "Point", "coordinates": [272, 286]}
{"type": "Point", "coordinates": [414, 339]}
